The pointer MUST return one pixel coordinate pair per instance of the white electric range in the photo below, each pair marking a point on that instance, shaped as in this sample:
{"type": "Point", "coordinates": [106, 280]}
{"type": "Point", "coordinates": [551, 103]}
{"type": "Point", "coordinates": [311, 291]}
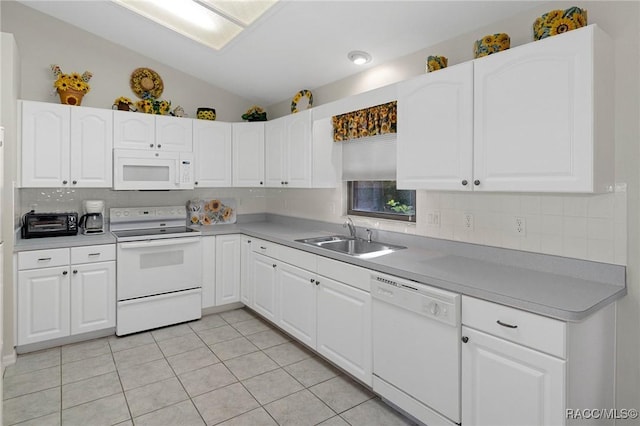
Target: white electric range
{"type": "Point", "coordinates": [159, 275]}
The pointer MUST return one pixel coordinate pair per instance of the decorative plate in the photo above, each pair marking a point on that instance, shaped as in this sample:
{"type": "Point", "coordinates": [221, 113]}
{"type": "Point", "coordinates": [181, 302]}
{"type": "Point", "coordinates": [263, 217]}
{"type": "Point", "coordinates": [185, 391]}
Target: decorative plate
{"type": "Point", "coordinates": [146, 83]}
{"type": "Point", "coordinates": [212, 212]}
{"type": "Point", "coordinates": [301, 101]}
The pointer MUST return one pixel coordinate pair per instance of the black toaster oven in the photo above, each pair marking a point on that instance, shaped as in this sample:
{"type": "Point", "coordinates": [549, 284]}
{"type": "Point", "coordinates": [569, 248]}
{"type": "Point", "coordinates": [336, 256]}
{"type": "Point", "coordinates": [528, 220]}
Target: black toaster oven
{"type": "Point", "coordinates": [36, 225]}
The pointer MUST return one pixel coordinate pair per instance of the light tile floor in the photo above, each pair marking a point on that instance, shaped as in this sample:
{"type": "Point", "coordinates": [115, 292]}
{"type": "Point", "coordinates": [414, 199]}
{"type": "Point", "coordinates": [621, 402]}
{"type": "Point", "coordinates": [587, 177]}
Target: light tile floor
{"type": "Point", "coordinates": [229, 369]}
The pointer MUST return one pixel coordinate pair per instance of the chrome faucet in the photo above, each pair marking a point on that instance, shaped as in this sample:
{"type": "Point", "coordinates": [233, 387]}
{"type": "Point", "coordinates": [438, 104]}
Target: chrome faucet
{"type": "Point", "coordinates": [351, 226]}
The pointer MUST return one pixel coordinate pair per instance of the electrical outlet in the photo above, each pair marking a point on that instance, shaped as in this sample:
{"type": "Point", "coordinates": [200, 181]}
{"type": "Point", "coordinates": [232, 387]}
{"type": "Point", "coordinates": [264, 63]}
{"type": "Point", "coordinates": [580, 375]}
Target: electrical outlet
{"type": "Point", "coordinates": [520, 226]}
{"type": "Point", "coordinates": [467, 221]}
{"type": "Point", "coordinates": [433, 218]}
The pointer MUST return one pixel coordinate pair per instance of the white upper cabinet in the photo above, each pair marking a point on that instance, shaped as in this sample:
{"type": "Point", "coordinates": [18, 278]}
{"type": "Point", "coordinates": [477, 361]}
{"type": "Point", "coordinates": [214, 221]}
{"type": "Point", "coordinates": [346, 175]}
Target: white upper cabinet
{"type": "Point", "coordinates": [288, 151]}
{"type": "Point", "coordinates": [65, 146]}
{"type": "Point", "coordinates": [274, 153]}
{"type": "Point", "coordinates": [326, 156]}
{"type": "Point", "coordinates": [543, 116]}
{"type": "Point", "coordinates": [435, 122]}
{"type": "Point", "coordinates": [91, 145]}
{"type": "Point", "coordinates": [149, 131]}
{"type": "Point", "coordinates": [541, 120]}
{"type": "Point", "coordinates": [212, 153]}
{"type": "Point", "coordinates": [174, 133]}
{"type": "Point", "coordinates": [133, 130]}
{"type": "Point", "coordinates": [248, 154]}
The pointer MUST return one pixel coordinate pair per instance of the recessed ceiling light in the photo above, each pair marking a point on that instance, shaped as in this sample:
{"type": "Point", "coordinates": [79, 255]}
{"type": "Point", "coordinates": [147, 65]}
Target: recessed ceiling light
{"type": "Point", "coordinates": [359, 57]}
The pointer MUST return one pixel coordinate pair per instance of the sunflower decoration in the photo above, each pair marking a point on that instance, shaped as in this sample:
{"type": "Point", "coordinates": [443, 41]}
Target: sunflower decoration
{"type": "Point", "coordinates": [71, 87]}
{"type": "Point", "coordinates": [146, 83]}
{"type": "Point", "coordinates": [122, 103]}
{"type": "Point", "coordinates": [154, 106]}
{"type": "Point", "coordinates": [255, 113]}
{"type": "Point", "coordinates": [492, 43]}
{"type": "Point", "coordinates": [211, 212]}
{"type": "Point", "coordinates": [559, 21]}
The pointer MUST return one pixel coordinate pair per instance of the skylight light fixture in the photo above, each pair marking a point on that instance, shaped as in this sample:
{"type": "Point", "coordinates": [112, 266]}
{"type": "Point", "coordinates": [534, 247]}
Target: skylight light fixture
{"type": "Point", "coordinates": [359, 57]}
{"type": "Point", "coordinates": [213, 23]}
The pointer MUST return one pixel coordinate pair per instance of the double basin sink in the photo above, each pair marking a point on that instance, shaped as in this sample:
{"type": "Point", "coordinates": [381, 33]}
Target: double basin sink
{"type": "Point", "coordinates": [351, 246]}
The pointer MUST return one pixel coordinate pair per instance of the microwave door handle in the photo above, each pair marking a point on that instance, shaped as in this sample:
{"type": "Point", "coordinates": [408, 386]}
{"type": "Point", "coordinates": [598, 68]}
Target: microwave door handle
{"type": "Point", "coordinates": [159, 243]}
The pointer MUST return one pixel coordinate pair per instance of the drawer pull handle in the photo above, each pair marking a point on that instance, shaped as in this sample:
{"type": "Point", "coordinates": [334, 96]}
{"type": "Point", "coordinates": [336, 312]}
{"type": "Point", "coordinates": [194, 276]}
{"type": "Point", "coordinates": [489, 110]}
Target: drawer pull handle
{"type": "Point", "coordinates": [274, 265]}
{"type": "Point", "coordinates": [94, 254]}
{"type": "Point", "coordinates": [263, 248]}
{"type": "Point", "coordinates": [44, 259]}
{"type": "Point", "coordinates": [504, 324]}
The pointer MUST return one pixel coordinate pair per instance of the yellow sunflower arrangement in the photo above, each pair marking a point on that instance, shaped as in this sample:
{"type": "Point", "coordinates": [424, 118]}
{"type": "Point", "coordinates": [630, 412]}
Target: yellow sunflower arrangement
{"type": "Point", "coordinates": [435, 63]}
{"type": "Point", "coordinates": [211, 212]}
{"type": "Point", "coordinates": [154, 106]}
{"type": "Point", "coordinates": [492, 43]}
{"type": "Point", "coordinates": [122, 103]}
{"type": "Point", "coordinates": [71, 87]}
{"type": "Point", "coordinates": [559, 21]}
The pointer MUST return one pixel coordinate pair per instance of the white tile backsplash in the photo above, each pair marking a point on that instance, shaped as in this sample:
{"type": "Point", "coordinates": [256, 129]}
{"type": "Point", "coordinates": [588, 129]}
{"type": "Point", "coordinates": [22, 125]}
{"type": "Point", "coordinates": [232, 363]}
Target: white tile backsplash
{"type": "Point", "coordinates": [583, 226]}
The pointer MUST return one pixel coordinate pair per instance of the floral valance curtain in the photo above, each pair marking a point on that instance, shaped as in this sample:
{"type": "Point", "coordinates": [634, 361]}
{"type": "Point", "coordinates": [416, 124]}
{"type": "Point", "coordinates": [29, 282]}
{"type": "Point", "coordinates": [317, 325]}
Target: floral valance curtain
{"type": "Point", "coordinates": [372, 121]}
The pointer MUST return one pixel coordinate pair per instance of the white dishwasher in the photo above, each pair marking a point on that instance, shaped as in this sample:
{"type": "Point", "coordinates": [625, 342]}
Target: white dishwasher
{"type": "Point", "coordinates": [416, 348]}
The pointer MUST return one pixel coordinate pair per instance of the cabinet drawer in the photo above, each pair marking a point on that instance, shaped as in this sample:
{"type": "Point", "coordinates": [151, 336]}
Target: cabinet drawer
{"type": "Point", "coordinates": [535, 331]}
{"type": "Point", "coordinates": [90, 254]}
{"type": "Point", "coordinates": [265, 247]}
{"type": "Point", "coordinates": [43, 258]}
{"type": "Point", "coordinates": [354, 276]}
{"type": "Point", "coordinates": [298, 258]}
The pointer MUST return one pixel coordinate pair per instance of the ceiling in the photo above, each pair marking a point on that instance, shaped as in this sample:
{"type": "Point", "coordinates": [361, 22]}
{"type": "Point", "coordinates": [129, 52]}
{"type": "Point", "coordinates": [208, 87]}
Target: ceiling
{"type": "Point", "coordinates": [297, 44]}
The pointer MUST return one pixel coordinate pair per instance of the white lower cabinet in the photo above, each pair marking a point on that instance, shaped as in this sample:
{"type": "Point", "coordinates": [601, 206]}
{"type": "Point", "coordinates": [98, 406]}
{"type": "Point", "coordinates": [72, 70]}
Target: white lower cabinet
{"type": "Point", "coordinates": [246, 271]}
{"type": "Point", "coordinates": [64, 292]}
{"type": "Point", "coordinates": [520, 368]}
{"type": "Point", "coordinates": [220, 270]}
{"type": "Point", "coordinates": [43, 304]}
{"type": "Point", "coordinates": [297, 299]}
{"type": "Point", "coordinates": [264, 286]}
{"type": "Point", "coordinates": [344, 327]}
{"type": "Point", "coordinates": [227, 269]}
{"type": "Point", "coordinates": [93, 297]}
{"type": "Point", "coordinates": [508, 384]}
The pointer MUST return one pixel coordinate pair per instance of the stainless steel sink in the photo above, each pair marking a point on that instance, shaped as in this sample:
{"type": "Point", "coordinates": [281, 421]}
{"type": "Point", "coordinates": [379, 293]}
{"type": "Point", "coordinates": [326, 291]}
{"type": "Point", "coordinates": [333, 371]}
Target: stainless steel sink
{"type": "Point", "coordinates": [355, 247]}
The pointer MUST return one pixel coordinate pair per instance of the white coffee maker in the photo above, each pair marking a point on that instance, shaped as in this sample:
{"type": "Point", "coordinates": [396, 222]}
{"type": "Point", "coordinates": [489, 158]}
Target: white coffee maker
{"type": "Point", "coordinates": [92, 221]}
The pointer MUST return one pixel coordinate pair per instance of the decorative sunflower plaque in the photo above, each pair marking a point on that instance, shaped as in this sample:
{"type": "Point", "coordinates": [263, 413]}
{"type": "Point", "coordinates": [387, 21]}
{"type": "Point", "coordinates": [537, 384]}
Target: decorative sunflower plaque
{"type": "Point", "coordinates": [217, 211]}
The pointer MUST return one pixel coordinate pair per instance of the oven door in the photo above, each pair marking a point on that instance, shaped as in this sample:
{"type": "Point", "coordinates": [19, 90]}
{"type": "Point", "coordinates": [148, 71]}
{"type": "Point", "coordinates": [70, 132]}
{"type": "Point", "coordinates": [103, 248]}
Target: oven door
{"type": "Point", "coordinates": [152, 267]}
{"type": "Point", "coordinates": [138, 169]}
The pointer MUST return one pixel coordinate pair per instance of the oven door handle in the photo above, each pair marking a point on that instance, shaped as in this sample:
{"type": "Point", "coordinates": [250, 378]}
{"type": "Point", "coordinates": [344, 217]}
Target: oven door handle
{"type": "Point", "coordinates": [159, 243]}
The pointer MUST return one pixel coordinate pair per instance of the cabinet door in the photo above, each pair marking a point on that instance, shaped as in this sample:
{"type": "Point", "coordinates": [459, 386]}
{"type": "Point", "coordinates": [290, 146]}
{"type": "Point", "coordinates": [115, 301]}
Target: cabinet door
{"type": "Point", "coordinates": [248, 154]}
{"type": "Point", "coordinates": [45, 144]}
{"type": "Point", "coordinates": [246, 271]}
{"type": "Point", "coordinates": [212, 154]}
{"type": "Point", "coordinates": [326, 156]}
{"type": "Point", "coordinates": [43, 304]}
{"type": "Point", "coordinates": [274, 153]}
{"type": "Point", "coordinates": [507, 384]}
{"type": "Point", "coordinates": [297, 154]}
{"type": "Point", "coordinates": [344, 327]}
{"type": "Point", "coordinates": [133, 131]}
{"type": "Point", "coordinates": [297, 300]}
{"type": "Point", "coordinates": [93, 297]}
{"type": "Point", "coordinates": [227, 269]}
{"type": "Point", "coordinates": [264, 286]}
{"type": "Point", "coordinates": [534, 116]}
{"type": "Point", "coordinates": [91, 147]}
{"type": "Point", "coordinates": [435, 130]}
{"type": "Point", "coordinates": [208, 271]}
{"type": "Point", "coordinates": [174, 133]}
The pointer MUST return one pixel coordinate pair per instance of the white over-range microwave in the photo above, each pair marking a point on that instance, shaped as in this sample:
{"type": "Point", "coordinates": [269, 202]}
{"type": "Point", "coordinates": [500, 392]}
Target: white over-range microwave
{"type": "Point", "coordinates": [139, 169]}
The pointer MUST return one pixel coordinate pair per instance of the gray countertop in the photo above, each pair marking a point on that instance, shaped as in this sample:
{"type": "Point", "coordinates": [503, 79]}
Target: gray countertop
{"type": "Point", "coordinates": [566, 289]}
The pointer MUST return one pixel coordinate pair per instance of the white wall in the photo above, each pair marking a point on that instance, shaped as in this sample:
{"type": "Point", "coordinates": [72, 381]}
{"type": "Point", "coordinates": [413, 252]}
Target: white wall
{"type": "Point", "coordinates": [594, 227]}
{"type": "Point", "coordinates": [43, 41]}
